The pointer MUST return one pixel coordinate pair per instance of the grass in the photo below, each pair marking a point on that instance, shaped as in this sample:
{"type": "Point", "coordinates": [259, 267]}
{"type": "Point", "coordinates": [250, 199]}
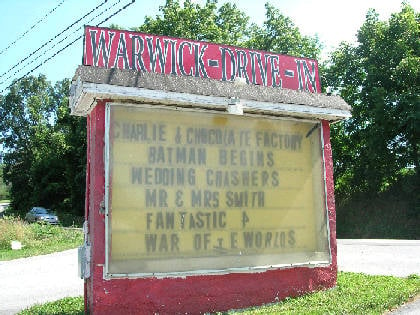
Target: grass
{"type": "Point", "coordinates": [355, 293]}
{"type": "Point", "coordinates": [36, 239]}
{"type": "Point", "coordinates": [66, 306]}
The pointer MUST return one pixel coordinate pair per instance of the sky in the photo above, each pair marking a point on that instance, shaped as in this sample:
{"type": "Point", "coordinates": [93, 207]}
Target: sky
{"type": "Point", "coordinates": [31, 23]}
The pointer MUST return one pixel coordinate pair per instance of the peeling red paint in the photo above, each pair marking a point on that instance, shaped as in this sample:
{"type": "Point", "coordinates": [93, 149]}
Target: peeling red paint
{"type": "Point", "coordinates": [190, 294]}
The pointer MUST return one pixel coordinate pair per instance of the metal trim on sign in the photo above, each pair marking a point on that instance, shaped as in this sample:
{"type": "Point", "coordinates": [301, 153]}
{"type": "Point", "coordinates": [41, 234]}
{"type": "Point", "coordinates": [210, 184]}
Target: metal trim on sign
{"type": "Point", "coordinates": [107, 210]}
{"type": "Point", "coordinates": [325, 189]}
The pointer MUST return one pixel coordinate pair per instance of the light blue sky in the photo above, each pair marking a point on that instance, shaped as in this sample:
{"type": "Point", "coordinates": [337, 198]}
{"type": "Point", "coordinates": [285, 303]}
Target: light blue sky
{"type": "Point", "coordinates": [333, 21]}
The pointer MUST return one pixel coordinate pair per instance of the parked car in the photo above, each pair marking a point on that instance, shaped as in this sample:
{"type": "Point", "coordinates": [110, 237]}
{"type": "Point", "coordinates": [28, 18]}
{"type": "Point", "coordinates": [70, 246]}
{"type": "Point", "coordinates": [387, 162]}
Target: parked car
{"type": "Point", "coordinates": [3, 208]}
{"type": "Point", "coordinates": [41, 215]}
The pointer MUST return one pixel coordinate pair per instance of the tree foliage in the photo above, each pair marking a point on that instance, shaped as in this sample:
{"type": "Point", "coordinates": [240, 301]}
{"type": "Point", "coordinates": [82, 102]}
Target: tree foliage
{"type": "Point", "coordinates": [45, 151]}
{"type": "Point", "coordinates": [379, 76]}
{"type": "Point", "coordinates": [279, 34]}
{"type": "Point", "coordinates": [229, 25]}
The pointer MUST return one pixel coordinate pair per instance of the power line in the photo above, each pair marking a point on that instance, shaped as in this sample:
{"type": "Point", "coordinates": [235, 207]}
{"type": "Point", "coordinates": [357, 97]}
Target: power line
{"type": "Point", "coordinates": [60, 41]}
{"type": "Point", "coordinates": [115, 13]}
{"type": "Point", "coordinates": [31, 28]}
{"type": "Point", "coordinates": [68, 45]}
{"type": "Point", "coordinates": [46, 43]}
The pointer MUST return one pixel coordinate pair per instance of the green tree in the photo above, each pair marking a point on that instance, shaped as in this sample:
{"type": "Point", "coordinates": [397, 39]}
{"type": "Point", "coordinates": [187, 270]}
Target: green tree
{"type": "Point", "coordinates": [41, 160]}
{"type": "Point", "coordinates": [376, 152]}
{"type": "Point", "coordinates": [379, 77]}
{"type": "Point", "coordinates": [24, 115]}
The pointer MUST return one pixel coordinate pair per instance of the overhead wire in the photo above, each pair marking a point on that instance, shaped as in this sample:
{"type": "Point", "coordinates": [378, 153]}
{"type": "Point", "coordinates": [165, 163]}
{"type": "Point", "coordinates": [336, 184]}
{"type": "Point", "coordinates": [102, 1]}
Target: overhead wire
{"type": "Point", "coordinates": [68, 45]}
{"type": "Point", "coordinates": [59, 42]}
{"type": "Point", "coordinates": [53, 38]}
{"type": "Point", "coordinates": [31, 28]}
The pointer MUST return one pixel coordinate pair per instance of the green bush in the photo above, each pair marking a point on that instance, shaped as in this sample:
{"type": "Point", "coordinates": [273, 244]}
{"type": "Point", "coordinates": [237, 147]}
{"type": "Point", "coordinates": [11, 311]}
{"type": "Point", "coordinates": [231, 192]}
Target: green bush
{"type": "Point", "coordinates": [67, 219]}
{"type": "Point", "coordinates": [393, 213]}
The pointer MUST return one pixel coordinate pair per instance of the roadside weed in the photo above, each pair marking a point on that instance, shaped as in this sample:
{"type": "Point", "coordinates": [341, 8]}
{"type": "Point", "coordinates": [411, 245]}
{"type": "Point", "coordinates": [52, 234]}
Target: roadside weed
{"type": "Point", "coordinates": [36, 239]}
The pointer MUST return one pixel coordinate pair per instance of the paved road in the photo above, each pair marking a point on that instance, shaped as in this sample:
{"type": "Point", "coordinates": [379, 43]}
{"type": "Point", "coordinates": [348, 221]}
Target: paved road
{"type": "Point", "coordinates": [24, 282]}
{"type": "Point", "coordinates": [398, 258]}
{"type": "Point", "coordinates": [39, 279]}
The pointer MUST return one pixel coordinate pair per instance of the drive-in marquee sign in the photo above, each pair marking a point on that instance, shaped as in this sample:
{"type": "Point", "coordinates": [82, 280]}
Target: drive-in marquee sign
{"type": "Point", "coordinates": [120, 49]}
{"type": "Point", "coordinates": [202, 194]}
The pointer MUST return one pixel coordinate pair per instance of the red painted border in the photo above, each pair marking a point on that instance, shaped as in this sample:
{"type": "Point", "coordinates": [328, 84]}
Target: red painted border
{"type": "Point", "coordinates": [192, 294]}
{"type": "Point", "coordinates": [329, 186]}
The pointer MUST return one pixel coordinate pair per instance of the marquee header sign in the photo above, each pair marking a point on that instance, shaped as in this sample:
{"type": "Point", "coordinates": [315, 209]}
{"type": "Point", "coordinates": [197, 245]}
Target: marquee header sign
{"type": "Point", "coordinates": [108, 48]}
